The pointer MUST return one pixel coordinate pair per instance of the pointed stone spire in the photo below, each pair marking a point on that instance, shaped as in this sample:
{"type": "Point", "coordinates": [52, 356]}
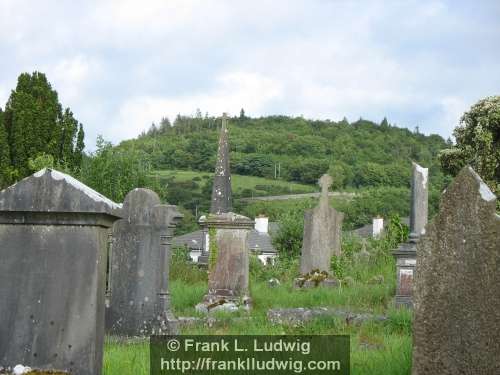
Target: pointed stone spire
{"type": "Point", "coordinates": [221, 191]}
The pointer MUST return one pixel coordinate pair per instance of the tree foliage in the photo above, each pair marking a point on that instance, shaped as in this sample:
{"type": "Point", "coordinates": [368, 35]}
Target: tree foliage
{"type": "Point", "coordinates": [35, 124]}
{"type": "Point", "coordinates": [477, 143]}
{"type": "Point", "coordinates": [360, 154]}
{"type": "Point", "coordinates": [114, 172]}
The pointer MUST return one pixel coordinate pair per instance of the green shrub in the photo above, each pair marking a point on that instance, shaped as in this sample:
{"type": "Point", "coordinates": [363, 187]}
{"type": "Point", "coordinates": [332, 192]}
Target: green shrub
{"type": "Point", "coordinates": [182, 269]}
{"type": "Point", "coordinates": [288, 240]}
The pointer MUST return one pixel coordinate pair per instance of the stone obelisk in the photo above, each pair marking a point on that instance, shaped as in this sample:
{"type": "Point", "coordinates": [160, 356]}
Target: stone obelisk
{"type": "Point", "coordinates": [221, 191]}
{"type": "Point", "coordinates": [226, 247]}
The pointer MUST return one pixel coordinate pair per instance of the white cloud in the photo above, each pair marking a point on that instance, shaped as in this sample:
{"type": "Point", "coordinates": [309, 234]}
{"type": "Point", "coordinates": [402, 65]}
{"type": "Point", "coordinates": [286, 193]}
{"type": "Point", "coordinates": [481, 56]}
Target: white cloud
{"type": "Point", "coordinates": [71, 76]}
{"type": "Point", "coordinates": [232, 91]}
{"type": "Point", "coordinates": [452, 110]}
{"type": "Point", "coordinates": [121, 64]}
{"type": "Point", "coordinates": [4, 96]}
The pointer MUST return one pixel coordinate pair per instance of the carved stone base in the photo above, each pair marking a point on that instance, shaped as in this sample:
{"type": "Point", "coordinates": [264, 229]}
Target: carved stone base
{"type": "Point", "coordinates": [403, 301]}
{"type": "Point", "coordinates": [300, 283]}
{"type": "Point", "coordinates": [224, 301]}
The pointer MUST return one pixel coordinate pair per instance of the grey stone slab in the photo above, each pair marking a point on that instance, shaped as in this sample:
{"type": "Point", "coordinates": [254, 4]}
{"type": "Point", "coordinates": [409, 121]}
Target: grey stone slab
{"type": "Point", "coordinates": [52, 191]}
{"type": "Point", "coordinates": [229, 275]}
{"type": "Point", "coordinates": [419, 200]}
{"type": "Point", "coordinates": [222, 200]}
{"type": "Point", "coordinates": [298, 316]}
{"type": "Point", "coordinates": [457, 301]}
{"type": "Point", "coordinates": [53, 239]}
{"type": "Point", "coordinates": [139, 296]}
{"type": "Point", "coordinates": [322, 233]}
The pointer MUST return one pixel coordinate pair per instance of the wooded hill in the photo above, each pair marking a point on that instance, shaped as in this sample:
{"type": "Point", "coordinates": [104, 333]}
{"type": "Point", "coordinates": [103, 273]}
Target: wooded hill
{"type": "Point", "coordinates": [358, 154]}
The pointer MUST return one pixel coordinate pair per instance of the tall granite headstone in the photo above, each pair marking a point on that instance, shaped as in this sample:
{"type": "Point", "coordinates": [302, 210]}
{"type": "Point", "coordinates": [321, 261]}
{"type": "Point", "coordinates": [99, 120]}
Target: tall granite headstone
{"type": "Point", "coordinates": [322, 233]}
{"type": "Point", "coordinates": [406, 253]}
{"type": "Point", "coordinates": [53, 239]}
{"type": "Point", "coordinates": [228, 260]}
{"type": "Point", "coordinates": [221, 190]}
{"type": "Point", "coordinates": [139, 295]}
{"type": "Point", "coordinates": [456, 328]}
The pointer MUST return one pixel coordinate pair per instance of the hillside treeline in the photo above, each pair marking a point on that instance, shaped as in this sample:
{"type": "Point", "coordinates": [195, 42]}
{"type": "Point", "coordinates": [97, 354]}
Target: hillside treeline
{"type": "Point", "coordinates": [357, 154]}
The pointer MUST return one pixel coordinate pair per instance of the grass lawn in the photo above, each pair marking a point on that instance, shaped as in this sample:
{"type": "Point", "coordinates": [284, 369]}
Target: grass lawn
{"type": "Point", "coordinates": [377, 347]}
{"type": "Point", "coordinates": [239, 182]}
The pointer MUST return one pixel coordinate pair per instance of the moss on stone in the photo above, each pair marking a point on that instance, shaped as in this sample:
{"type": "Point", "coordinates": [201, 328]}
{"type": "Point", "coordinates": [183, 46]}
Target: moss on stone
{"type": "Point", "coordinates": [213, 249]}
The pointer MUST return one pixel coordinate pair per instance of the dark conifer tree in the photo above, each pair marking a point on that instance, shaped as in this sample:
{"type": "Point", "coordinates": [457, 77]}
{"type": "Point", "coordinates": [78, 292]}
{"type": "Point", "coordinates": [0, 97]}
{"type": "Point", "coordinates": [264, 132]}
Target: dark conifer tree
{"type": "Point", "coordinates": [4, 153]}
{"type": "Point", "coordinates": [35, 124]}
{"type": "Point", "coordinates": [69, 129]}
{"type": "Point", "coordinates": [80, 145]}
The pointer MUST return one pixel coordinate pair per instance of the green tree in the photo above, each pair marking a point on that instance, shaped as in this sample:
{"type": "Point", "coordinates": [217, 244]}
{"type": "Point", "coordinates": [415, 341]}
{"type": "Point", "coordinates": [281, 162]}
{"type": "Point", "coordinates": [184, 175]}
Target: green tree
{"type": "Point", "coordinates": [477, 143]}
{"type": "Point", "coordinates": [36, 125]}
{"type": "Point", "coordinates": [4, 154]}
{"type": "Point", "coordinates": [69, 130]}
{"type": "Point", "coordinates": [288, 239]}
{"type": "Point", "coordinates": [114, 172]}
{"type": "Point", "coordinates": [79, 147]}
{"type": "Point", "coordinates": [40, 162]}
{"type": "Point", "coordinates": [338, 174]}
{"type": "Point", "coordinates": [384, 124]}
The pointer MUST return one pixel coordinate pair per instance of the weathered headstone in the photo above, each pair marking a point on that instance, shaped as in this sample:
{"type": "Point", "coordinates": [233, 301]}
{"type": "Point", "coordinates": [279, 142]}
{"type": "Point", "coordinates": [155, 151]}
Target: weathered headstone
{"type": "Point", "coordinates": [419, 200]}
{"type": "Point", "coordinates": [139, 295]}
{"type": "Point", "coordinates": [221, 189]}
{"type": "Point", "coordinates": [457, 300]}
{"type": "Point", "coordinates": [322, 233]}
{"type": "Point", "coordinates": [53, 239]}
{"type": "Point", "coordinates": [406, 253]}
{"type": "Point", "coordinates": [377, 226]}
{"type": "Point", "coordinates": [228, 260]}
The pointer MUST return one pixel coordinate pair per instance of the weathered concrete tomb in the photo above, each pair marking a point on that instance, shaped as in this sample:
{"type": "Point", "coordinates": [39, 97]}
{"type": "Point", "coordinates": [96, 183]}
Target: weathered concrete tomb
{"type": "Point", "coordinates": [322, 239]}
{"type": "Point", "coordinates": [138, 292]}
{"type": "Point", "coordinates": [53, 240]}
{"type": "Point", "coordinates": [229, 260]}
{"type": "Point", "coordinates": [457, 301]}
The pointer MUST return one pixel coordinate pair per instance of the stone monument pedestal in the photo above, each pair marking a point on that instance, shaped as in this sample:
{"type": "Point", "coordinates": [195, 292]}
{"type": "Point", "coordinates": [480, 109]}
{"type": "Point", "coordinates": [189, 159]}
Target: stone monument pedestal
{"type": "Point", "coordinates": [302, 283]}
{"type": "Point", "coordinates": [406, 253]}
{"type": "Point", "coordinates": [228, 263]}
{"type": "Point", "coordinates": [406, 259]}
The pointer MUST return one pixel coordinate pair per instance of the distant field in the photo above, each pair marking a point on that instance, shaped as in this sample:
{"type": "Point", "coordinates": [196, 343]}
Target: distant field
{"type": "Point", "coordinates": [240, 183]}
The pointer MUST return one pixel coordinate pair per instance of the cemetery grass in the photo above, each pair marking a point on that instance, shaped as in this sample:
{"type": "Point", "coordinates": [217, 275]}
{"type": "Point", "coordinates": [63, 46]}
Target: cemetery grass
{"type": "Point", "coordinates": [377, 347]}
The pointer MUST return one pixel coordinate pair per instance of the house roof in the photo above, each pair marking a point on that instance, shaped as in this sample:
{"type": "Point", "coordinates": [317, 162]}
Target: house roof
{"type": "Point", "coordinates": [367, 230]}
{"type": "Point", "coordinates": [257, 241]}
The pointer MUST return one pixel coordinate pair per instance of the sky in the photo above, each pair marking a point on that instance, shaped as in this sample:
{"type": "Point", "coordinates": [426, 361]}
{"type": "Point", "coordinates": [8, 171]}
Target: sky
{"type": "Point", "coordinates": [122, 65]}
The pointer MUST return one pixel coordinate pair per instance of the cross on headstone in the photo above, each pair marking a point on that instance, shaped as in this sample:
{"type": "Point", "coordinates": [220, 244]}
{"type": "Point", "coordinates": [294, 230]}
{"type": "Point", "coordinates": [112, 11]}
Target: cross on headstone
{"type": "Point", "coordinates": [322, 232]}
{"type": "Point", "coordinates": [224, 120]}
{"type": "Point", "coordinates": [325, 182]}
